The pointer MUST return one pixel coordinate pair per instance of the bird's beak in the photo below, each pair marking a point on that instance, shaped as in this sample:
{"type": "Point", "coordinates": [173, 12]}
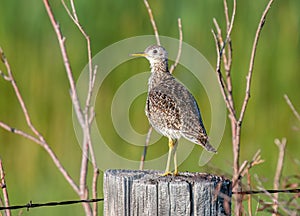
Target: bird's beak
{"type": "Point", "coordinates": [139, 54]}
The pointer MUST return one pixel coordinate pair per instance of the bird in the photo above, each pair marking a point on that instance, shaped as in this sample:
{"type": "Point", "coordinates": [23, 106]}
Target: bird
{"type": "Point", "coordinates": [170, 108]}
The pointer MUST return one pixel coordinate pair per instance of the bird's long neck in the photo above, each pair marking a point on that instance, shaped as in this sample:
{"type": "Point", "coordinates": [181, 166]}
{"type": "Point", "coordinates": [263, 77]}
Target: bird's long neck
{"type": "Point", "coordinates": [159, 70]}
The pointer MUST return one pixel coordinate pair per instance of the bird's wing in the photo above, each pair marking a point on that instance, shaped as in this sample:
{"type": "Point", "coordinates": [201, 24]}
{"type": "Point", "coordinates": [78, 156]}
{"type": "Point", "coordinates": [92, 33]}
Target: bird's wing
{"type": "Point", "coordinates": [192, 127]}
{"type": "Point", "coordinates": [162, 109]}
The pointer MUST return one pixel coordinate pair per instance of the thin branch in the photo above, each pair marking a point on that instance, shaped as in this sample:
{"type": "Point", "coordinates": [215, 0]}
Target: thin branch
{"type": "Point", "coordinates": [227, 65]}
{"type": "Point", "coordinates": [179, 48]}
{"type": "Point", "coordinates": [61, 40]}
{"type": "Point", "coordinates": [268, 193]}
{"type": "Point", "coordinates": [21, 133]}
{"type": "Point", "coordinates": [95, 191]}
{"type": "Point", "coordinates": [85, 117]}
{"type": "Point", "coordinates": [246, 166]}
{"type": "Point", "coordinates": [39, 139]}
{"type": "Point", "coordinates": [221, 79]}
{"type": "Point", "coordinates": [74, 18]}
{"type": "Point", "coordinates": [251, 65]}
{"type": "Point", "coordinates": [296, 113]}
{"type": "Point", "coordinates": [229, 24]}
{"type": "Point", "coordinates": [11, 79]}
{"type": "Point", "coordinates": [85, 142]}
{"type": "Point", "coordinates": [226, 89]}
{"type": "Point", "coordinates": [228, 59]}
{"type": "Point", "coordinates": [4, 189]}
{"type": "Point", "coordinates": [281, 145]}
{"type": "Point", "coordinates": [249, 196]}
{"type": "Point", "coordinates": [88, 116]}
{"type": "Point", "coordinates": [143, 157]}
{"type": "Point", "coordinates": [84, 168]}
{"type": "Point", "coordinates": [6, 78]}
{"type": "Point", "coordinates": [152, 21]}
{"type": "Point", "coordinates": [74, 10]}
{"type": "Point", "coordinates": [48, 150]}
{"type": "Point", "coordinates": [256, 160]}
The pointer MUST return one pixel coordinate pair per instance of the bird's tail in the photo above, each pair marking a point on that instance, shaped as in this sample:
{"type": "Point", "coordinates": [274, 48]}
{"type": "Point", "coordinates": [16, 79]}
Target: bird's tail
{"type": "Point", "coordinates": [203, 140]}
{"type": "Point", "coordinates": [200, 139]}
{"type": "Point", "coordinates": [209, 147]}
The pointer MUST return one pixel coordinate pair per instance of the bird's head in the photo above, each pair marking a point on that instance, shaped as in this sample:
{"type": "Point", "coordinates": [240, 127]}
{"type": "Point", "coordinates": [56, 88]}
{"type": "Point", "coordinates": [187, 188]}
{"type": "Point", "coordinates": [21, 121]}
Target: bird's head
{"type": "Point", "coordinates": [154, 54]}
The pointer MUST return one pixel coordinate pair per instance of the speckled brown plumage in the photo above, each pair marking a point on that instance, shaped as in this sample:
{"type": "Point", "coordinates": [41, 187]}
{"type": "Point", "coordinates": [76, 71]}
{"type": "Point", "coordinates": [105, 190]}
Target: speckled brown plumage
{"type": "Point", "coordinates": [170, 107]}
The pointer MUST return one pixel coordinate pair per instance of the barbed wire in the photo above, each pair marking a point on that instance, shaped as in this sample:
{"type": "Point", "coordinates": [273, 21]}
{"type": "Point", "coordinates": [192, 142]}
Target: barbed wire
{"type": "Point", "coordinates": [36, 205]}
{"type": "Point", "coordinates": [297, 190]}
{"type": "Point", "coordinates": [71, 202]}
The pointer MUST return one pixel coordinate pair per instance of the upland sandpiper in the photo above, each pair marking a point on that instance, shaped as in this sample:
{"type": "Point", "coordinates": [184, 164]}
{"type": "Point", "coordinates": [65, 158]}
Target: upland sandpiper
{"type": "Point", "coordinates": [171, 108]}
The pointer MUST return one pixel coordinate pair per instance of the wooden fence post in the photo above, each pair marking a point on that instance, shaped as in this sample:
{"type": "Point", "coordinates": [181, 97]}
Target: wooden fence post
{"type": "Point", "coordinates": [138, 193]}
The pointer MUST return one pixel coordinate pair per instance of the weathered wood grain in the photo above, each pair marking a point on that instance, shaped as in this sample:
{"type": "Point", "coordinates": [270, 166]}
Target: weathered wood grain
{"type": "Point", "coordinates": [138, 193]}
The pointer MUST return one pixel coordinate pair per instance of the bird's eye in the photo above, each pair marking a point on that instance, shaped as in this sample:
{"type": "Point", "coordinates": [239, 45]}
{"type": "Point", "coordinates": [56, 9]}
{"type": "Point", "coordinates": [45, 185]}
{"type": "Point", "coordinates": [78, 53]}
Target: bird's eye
{"type": "Point", "coordinates": [155, 51]}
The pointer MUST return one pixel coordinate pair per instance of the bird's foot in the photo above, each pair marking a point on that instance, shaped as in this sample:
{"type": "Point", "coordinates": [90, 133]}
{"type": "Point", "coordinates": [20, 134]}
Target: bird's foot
{"type": "Point", "coordinates": [175, 173]}
{"type": "Point", "coordinates": [166, 173]}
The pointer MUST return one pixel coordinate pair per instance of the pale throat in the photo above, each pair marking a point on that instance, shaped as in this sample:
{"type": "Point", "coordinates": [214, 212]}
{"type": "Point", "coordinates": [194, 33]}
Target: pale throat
{"type": "Point", "coordinates": [159, 70]}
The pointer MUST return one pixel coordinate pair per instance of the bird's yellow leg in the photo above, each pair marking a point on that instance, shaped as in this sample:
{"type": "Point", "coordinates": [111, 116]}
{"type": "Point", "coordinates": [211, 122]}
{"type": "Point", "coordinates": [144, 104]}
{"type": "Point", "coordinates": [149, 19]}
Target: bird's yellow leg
{"type": "Point", "coordinates": [171, 146]}
{"type": "Point", "coordinates": [175, 158]}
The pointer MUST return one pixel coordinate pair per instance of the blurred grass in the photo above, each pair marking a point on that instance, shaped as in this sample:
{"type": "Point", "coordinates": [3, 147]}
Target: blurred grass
{"type": "Point", "coordinates": [33, 52]}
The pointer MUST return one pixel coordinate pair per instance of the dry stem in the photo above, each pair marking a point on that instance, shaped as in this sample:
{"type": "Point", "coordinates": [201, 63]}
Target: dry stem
{"type": "Point", "coordinates": [85, 116]}
{"type": "Point", "coordinates": [274, 201]}
{"type": "Point", "coordinates": [88, 110]}
{"type": "Point", "coordinates": [296, 113]}
{"type": "Point", "coordinates": [152, 21]}
{"type": "Point", "coordinates": [281, 146]}
{"type": "Point", "coordinates": [179, 47]}
{"type": "Point", "coordinates": [143, 157]}
{"type": "Point", "coordinates": [38, 138]}
{"type": "Point", "coordinates": [4, 189]}
{"type": "Point", "coordinates": [226, 88]}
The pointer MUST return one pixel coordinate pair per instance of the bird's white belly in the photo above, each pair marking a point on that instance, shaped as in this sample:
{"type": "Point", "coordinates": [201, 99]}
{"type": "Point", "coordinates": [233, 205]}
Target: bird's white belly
{"type": "Point", "coordinates": [174, 134]}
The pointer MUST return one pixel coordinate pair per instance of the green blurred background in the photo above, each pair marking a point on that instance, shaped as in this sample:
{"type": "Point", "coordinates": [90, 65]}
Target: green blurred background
{"type": "Point", "coordinates": [32, 49]}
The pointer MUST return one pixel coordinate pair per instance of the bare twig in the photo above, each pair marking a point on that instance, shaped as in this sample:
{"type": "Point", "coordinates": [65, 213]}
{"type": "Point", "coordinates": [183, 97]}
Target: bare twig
{"type": "Point", "coordinates": [179, 47]}
{"type": "Point", "coordinates": [73, 10]}
{"type": "Point", "coordinates": [267, 192]}
{"type": "Point", "coordinates": [88, 115]}
{"type": "Point", "coordinates": [4, 189]}
{"type": "Point", "coordinates": [227, 59]}
{"type": "Point", "coordinates": [296, 113]}
{"type": "Point", "coordinates": [152, 21]}
{"type": "Point", "coordinates": [85, 115]}
{"type": "Point", "coordinates": [11, 79]}
{"type": "Point", "coordinates": [249, 196]}
{"type": "Point", "coordinates": [39, 139]}
{"type": "Point", "coordinates": [226, 89]}
{"type": "Point", "coordinates": [95, 191]}
{"type": "Point", "coordinates": [247, 91]}
{"type": "Point", "coordinates": [61, 40]}
{"type": "Point", "coordinates": [246, 166]}
{"type": "Point", "coordinates": [251, 65]}
{"type": "Point", "coordinates": [221, 80]}
{"type": "Point", "coordinates": [143, 157]}
{"type": "Point", "coordinates": [281, 146]}
{"type": "Point", "coordinates": [229, 23]}
{"type": "Point", "coordinates": [227, 65]}
{"type": "Point", "coordinates": [256, 160]}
